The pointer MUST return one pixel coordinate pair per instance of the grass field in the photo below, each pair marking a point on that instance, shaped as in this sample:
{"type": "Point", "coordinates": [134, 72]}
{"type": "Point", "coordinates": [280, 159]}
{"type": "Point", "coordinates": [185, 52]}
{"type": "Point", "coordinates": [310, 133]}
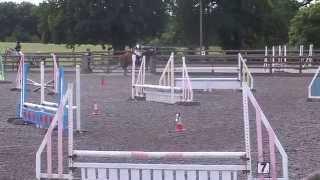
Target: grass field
{"type": "Point", "coordinates": [39, 47]}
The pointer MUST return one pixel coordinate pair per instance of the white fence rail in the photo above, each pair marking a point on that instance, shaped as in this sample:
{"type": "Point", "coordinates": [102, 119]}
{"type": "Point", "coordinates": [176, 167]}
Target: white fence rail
{"type": "Point", "coordinates": [104, 171]}
{"type": "Point", "coordinates": [245, 75]}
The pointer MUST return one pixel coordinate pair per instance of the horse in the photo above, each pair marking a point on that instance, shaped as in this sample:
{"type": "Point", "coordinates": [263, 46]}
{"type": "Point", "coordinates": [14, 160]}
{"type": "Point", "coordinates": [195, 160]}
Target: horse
{"type": "Point", "coordinates": [125, 59]}
{"type": "Point", "coordinates": [14, 55]}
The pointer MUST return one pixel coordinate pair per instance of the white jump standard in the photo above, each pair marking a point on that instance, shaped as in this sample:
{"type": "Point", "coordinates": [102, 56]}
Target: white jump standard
{"type": "Point", "coordinates": [209, 83]}
{"type": "Point", "coordinates": [51, 85]}
{"type": "Point", "coordinates": [41, 114]}
{"type": "Point", "coordinates": [166, 91]}
{"type": "Point", "coordinates": [93, 166]}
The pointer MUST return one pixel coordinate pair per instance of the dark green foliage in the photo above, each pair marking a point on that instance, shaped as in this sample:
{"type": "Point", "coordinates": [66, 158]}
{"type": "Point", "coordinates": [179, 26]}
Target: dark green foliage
{"type": "Point", "coordinates": [305, 27]}
{"type": "Point", "coordinates": [18, 22]}
{"type": "Point", "coordinates": [235, 24]}
{"type": "Point", "coordinates": [226, 23]}
{"type": "Point", "coordinates": [116, 22]}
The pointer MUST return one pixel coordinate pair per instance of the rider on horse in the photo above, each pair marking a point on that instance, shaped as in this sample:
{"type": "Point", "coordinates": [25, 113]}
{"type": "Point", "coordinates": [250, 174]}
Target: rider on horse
{"type": "Point", "coordinates": [138, 53]}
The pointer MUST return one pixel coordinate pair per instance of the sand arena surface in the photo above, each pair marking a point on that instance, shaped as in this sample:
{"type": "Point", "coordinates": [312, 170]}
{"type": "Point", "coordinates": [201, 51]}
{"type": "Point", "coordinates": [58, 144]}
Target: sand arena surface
{"type": "Point", "coordinates": [215, 125]}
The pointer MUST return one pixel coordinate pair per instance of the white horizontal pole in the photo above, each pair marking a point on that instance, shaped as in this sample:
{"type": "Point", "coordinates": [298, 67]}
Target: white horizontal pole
{"type": "Point", "coordinates": [208, 68]}
{"type": "Point", "coordinates": [50, 103]}
{"type": "Point", "coordinates": [46, 105]}
{"type": "Point", "coordinates": [270, 178]}
{"type": "Point", "coordinates": [156, 86]}
{"type": "Point", "coordinates": [55, 176]}
{"type": "Point", "coordinates": [53, 109]}
{"type": "Point", "coordinates": [73, 107]}
{"type": "Point", "coordinates": [207, 79]}
{"type": "Point", "coordinates": [157, 155]}
{"type": "Point", "coordinates": [185, 167]}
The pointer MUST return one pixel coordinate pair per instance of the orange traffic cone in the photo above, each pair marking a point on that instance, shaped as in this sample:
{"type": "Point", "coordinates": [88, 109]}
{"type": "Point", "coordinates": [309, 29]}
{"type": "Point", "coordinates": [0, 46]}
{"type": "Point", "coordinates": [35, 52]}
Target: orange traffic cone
{"type": "Point", "coordinates": [179, 125]}
{"type": "Point", "coordinates": [95, 109]}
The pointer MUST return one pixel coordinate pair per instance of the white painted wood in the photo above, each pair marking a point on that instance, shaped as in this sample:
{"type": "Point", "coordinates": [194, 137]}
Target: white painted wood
{"type": "Point", "coordinates": [135, 174]}
{"type": "Point", "coordinates": [198, 84]}
{"type": "Point", "coordinates": [270, 131]}
{"type": "Point", "coordinates": [235, 175]}
{"type": "Point", "coordinates": [102, 174]}
{"type": "Point", "coordinates": [203, 175]}
{"type": "Point", "coordinates": [209, 79]}
{"type": "Point", "coordinates": [204, 69]}
{"type": "Point", "coordinates": [156, 87]}
{"type": "Point", "coordinates": [180, 175]}
{"type": "Point", "coordinates": [186, 167]}
{"type": "Point", "coordinates": [157, 174]}
{"type": "Point", "coordinates": [83, 174]}
{"type": "Point", "coordinates": [191, 175]}
{"type": "Point", "coordinates": [168, 175]}
{"type": "Point", "coordinates": [124, 174]}
{"type": "Point", "coordinates": [78, 98]}
{"type": "Point", "coordinates": [56, 176]}
{"type": "Point", "coordinates": [152, 155]}
{"type": "Point", "coordinates": [42, 98]}
{"type": "Point", "coordinates": [146, 174]}
{"type": "Point", "coordinates": [226, 175]}
{"type": "Point", "coordinates": [214, 175]}
{"type": "Point", "coordinates": [32, 105]}
{"type": "Point", "coordinates": [91, 173]}
{"type": "Point", "coordinates": [113, 174]}
{"type": "Point", "coordinates": [164, 97]}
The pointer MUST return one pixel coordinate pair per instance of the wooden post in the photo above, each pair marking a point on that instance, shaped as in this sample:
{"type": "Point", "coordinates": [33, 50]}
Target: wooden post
{"type": "Point", "coordinates": [270, 65]}
{"type": "Point", "coordinates": [172, 77]}
{"type": "Point", "coordinates": [301, 59]}
{"type": "Point", "coordinates": [153, 64]}
{"type": "Point", "coordinates": [78, 96]}
{"type": "Point", "coordinates": [107, 64]}
{"type": "Point", "coordinates": [74, 56]}
{"type": "Point", "coordinates": [300, 65]}
{"type": "Point", "coordinates": [133, 76]}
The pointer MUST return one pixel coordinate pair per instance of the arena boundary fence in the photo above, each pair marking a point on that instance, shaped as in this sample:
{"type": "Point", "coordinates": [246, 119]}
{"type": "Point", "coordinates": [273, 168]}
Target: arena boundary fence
{"type": "Point", "coordinates": [3, 73]}
{"type": "Point", "coordinates": [258, 62]}
{"type": "Point", "coordinates": [96, 170]}
{"type": "Point", "coordinates": [230, 82]}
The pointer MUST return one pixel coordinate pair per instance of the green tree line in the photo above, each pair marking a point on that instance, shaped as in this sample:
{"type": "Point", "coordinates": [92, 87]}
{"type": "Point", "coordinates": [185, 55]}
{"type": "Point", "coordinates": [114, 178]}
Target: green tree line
{"type": "Point", "coordinates": [120, 23]}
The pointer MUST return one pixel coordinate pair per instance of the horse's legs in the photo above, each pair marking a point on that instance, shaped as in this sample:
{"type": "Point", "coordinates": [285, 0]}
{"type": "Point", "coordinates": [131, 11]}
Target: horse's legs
{"type": "Point", "coordinates": [147, 63]}
{"type": "Point", "coordinates": [125, 71]}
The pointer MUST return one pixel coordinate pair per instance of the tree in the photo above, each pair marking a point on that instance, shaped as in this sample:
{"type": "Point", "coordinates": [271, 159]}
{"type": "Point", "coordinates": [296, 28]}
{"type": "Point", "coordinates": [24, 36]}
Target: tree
{"type": "Point", "coordinates": [304, 27]}
{"type": "Point", "coordinates": [276, 24]}
{"type": "Point", "coordinates": [8, 19]}
{"type": "Point", "coordinates": [26, 28]}
{"type": "Point", "coordinates": [118, 22]}
{"type": "Point", "coordinates": [17, 21]}
{"type": "Point", "coordinates": [235, 24]}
